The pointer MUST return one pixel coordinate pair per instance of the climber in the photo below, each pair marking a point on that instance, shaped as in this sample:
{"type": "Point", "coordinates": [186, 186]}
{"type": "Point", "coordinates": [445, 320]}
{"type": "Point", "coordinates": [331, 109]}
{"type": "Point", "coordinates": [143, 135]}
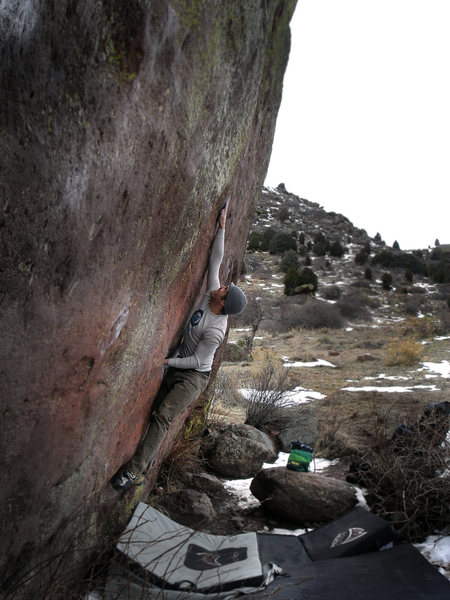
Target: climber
{"type": "Point", "coordinates": [188, 374]}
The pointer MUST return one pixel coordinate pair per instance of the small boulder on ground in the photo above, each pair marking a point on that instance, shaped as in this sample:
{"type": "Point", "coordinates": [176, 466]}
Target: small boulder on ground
{"type": "Point", "coordinates": [238, 451]}
{"type": "Point", "coordinates": [207, 483]}
{"type": "Point", "coordinates": [189, 507]}
{"type": "Point", "coordinates": [305, 498]}
{"type": "Point", "coordinates": [302, 427]}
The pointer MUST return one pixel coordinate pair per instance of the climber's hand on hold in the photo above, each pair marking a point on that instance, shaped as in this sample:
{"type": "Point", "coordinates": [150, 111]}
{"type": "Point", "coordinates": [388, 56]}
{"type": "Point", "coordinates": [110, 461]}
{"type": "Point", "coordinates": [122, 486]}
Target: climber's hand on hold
{"type": "Point", "coordinates": [223, 214]}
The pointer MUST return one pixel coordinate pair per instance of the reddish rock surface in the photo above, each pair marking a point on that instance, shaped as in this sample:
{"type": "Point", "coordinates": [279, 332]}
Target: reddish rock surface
{"type": "Point", "coordinates": [124, 126]}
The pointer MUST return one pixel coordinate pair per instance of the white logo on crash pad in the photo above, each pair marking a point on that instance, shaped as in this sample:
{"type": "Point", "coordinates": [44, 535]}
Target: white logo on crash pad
{"type": "Point", "coordinates": [350, 535]}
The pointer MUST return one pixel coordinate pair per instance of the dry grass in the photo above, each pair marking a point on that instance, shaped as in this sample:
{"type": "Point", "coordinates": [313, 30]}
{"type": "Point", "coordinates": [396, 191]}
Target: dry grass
{"type": "Point", "coordinates": [403, 352]}
{"type": "Point", "coordinates": [183, 459]}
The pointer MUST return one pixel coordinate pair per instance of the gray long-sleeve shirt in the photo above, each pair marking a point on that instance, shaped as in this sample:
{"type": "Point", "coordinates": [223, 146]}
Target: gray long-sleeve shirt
{"type": "Point", "coordinates": [205, 330]}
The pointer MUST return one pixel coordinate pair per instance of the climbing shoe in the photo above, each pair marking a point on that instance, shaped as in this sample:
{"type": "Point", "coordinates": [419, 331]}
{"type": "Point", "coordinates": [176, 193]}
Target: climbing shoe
{"type": "Point", "coordinates": [124, 479]}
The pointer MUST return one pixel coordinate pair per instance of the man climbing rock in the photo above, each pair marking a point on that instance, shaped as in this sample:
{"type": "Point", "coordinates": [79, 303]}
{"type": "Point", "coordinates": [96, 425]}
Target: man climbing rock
{"type": "Point", "coordinates": [187, 374]}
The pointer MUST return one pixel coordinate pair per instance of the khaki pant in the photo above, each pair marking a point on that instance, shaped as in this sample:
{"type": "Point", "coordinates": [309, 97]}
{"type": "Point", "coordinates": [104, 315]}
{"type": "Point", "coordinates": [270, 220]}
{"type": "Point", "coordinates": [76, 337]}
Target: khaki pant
{"type": "Point", "coordinates": [179, 389]}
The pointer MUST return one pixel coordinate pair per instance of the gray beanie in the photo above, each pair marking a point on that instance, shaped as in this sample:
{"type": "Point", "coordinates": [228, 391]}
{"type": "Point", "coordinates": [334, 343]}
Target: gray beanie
{"type": "Point", "coordinates": [235, 301]}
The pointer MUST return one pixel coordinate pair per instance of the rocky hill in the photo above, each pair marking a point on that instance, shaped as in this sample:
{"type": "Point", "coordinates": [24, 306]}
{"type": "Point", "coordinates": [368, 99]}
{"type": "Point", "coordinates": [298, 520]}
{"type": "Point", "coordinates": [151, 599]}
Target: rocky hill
{"type": "Point", "coordinates": [351, 268]}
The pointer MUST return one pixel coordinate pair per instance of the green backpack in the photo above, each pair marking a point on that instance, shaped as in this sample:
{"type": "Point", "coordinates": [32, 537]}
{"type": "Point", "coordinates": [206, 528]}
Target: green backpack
{"type": "Point", "coordinates": [300, 457]}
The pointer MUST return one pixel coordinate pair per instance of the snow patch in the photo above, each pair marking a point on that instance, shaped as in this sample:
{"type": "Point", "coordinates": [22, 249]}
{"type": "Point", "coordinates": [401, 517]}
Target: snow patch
{"type": "Point", "coordinates": [442, 368]}
{"type": "Point", "coordinates": [391, 389]}
{"type": "Point", "coordinates": [317, 363]}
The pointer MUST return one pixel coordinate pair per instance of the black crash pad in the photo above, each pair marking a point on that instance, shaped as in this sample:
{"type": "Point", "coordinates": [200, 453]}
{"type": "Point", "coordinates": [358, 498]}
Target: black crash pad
{"type": "Point", "coordinates": [400, 573]}
{"type": "Point", "coordinates": [357, 532]}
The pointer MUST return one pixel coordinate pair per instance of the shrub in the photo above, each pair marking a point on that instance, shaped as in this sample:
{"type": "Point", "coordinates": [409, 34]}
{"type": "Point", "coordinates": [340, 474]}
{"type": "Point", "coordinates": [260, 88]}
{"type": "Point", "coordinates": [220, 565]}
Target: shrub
{"type": "Point", "coordinates": [266, 236]}
{"type": "Point", "coordinates": [308, 277]}
{"type": "Point", "coordinates": [291, 281]}
{"type": "Point", "coordinates": [361, 283]}
{"type": "Point", "coordinates": [331, 292]}
{"type": "Point", "coordinates": [354, 305]}
{"type": "Point", "coordinates": [315, 314]}
{"type": "Point", "coordinates": [437, 254]}
{"type": "Point", "coordinates": [400, 260]}
{"type": "Point", "coordinates": [308, 261]}
{"type": "Point", "coordinates": [283, 214]}
{"type": "Point", "coordinates": [289, 260]}
{"type": "Point", "coordinates": [412, 305]}
{"type": "Point", "coordinates": [403, 352]}
{"type": "Point", "coordinates": [320, 249]}
{"type": "Point", "coordinates": [321, 244]}
{"type": "Point", "coordinates": [409, 275]}
{"type": "Point", "coordinates": [368, 273]}
{"type": "Point", "coordinates": [361, 257]}
{"type": "Point", "coordinates": [386, 281]}
{"type": "Point", "coordinates": [254, 241]}
{"type": "Point", "coordinates": [235, 353]}
{"type": "Point", "coordinates": [268, 397]}
{"type": "Point", "coordinates": [420, 328]}
{"type": "Point", "coordinates": [402, 474]}
{"type": "Point", "coordinates": [299, 283]}
{"type": "Point", "coordinates": [301, 239]}
{"type": "Point", "coordinates": [336, 249]}
{"type": "Point", "coordinates": [440, 272]}
{"type": "Point", "coordinates": [281, 242]}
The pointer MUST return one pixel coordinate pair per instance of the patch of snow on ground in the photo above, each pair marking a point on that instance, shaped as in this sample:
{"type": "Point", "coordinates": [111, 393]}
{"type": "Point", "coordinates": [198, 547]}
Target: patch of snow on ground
{"type": "Point", "coordinates": [436, 549]}
{"type": "Point", "coordinates": [388, 377]}
{"type": "Point", "coordinates": [391, 389]}
{"type": "Point", "coordinates": [317, 363]}
{"type": "Point", "coordinates": [241, 487]}
{"type": "Point", "coordinates": [442, 368]}
{"type": "Point", "coordinates": [442, 337]}
{"type": "Point", "coordinates": [298, 395]}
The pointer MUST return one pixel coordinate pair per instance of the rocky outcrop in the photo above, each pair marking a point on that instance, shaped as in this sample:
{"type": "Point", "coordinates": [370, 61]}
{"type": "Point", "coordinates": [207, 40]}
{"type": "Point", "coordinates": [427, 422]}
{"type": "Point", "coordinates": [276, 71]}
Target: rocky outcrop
{"type": "Point", "coordinates": [124, 126]}
{"type": "Point", "coordinates": [238, 451]}
{"type": "Point", "coordinates": [305, 498]}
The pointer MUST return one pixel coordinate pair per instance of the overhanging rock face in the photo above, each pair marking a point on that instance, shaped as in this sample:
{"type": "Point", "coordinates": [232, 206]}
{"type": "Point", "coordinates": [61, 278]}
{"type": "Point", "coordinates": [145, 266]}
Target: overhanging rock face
{"type": "Point", "coordinates": [124, 125]}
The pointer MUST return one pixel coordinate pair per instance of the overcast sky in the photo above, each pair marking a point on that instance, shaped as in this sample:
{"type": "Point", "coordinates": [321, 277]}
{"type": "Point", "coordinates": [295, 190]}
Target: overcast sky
{"type": "Point", "coordinates": [364, 124]}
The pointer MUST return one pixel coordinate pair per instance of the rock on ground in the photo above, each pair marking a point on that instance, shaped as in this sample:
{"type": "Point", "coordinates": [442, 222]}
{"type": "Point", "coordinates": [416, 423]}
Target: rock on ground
{"type": "Point", "coordinates": [238, 451]}
{"type": "Point", "coordinates": [306, 498]}
{"type": "Point", "coordinates": [302, 427]}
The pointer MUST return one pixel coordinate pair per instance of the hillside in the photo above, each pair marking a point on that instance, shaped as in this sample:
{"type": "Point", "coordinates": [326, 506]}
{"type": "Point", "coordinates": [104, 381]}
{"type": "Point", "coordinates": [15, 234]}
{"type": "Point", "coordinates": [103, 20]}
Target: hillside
{"type": "Point", "coordinates": [351, 321]}
{"type": "Point", "coordinates": [362, 359]}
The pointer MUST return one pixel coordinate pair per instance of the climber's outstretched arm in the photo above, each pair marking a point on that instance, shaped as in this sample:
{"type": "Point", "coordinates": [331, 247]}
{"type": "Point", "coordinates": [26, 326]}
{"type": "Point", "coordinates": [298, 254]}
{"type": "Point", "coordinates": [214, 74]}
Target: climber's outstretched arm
{"type": "Point", "coordinates": [217, 252]}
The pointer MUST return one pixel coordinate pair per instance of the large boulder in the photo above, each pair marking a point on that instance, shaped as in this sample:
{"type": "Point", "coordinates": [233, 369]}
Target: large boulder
{"type": "Point", "coordinates": [302, 427]}
{"type": "Point", "coordinates": [238, 451]}
{"type": "Point", "coordinates": [305, 498]}
{"type": "Point", "coordinates": [124, 125]}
